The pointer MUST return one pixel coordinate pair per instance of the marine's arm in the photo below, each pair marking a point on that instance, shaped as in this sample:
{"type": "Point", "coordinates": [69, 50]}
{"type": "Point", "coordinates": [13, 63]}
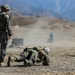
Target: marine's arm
{"type": "Point", "coordinates": [7, 23]}
{"type": "Point", "coordinates": [40, 57]}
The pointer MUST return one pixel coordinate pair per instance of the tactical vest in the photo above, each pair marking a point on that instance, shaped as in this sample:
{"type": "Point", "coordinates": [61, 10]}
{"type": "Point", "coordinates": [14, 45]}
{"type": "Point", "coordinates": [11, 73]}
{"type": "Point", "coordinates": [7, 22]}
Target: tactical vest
{"type": "Point", "coordinates": [2, 21]}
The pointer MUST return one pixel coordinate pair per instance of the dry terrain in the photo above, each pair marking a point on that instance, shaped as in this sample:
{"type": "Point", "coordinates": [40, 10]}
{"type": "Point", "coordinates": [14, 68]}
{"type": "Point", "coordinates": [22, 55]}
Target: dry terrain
{"type": "Point", "coordinates": [36, 32]}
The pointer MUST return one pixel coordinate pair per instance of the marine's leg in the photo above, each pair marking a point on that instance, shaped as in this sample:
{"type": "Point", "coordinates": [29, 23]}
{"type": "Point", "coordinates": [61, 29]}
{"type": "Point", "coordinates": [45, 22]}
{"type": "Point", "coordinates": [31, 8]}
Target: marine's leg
{"type": "Point", "coordinates": [4, 45]}
{"type": "Point", "coordinates": [30, 59]}
{"type": "Point", "coordinates": [13, 59]}
{"type": "Point", "coordinates": [0, 51]}
{"type": "Point", "coordinates": [8, 62]}
{"type": "Point", "coordinates": [16, 58]}
{"type": "Point", "coordinates": [25, 62]}
{"type": "Point", "coordinates": [3, 49]}
{"type": "Point", "coordinates": [45, 61]}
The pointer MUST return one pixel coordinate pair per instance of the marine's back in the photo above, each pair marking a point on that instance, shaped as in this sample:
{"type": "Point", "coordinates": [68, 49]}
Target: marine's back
{"type": "Point", "coordinates": [3, 18]}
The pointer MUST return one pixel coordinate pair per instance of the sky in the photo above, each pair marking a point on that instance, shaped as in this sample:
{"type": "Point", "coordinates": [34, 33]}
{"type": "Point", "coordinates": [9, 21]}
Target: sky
{"type": "Point", "coordinates": [39, 3]}
{"type": "Point", "coordinates": [65, 8]}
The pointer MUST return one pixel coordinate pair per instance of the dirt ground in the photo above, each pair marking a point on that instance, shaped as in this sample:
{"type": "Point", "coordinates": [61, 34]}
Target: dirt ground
{"type": "Point", "coordinates": [62, 50]}
{"type": "Point", "coordinates": [62, 62]}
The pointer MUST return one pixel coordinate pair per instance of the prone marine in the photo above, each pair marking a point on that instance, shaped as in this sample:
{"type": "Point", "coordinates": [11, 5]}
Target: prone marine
{"type": "Point", "coordinates": [31, 56]}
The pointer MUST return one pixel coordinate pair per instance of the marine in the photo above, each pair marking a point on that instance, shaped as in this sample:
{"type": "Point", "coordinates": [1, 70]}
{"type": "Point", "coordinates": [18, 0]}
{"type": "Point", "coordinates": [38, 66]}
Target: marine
{"type": "Point", "coordinates": [31, 56]}
{"type": "Point", "coordinates": [5, 30]}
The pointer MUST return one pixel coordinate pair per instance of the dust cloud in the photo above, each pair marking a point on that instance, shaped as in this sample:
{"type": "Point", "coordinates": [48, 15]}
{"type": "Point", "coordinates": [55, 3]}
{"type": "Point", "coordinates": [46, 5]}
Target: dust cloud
{"type": "Point", "coordinates": [35, 34]}
{"type": "Point", "coordinates": [38, 33]}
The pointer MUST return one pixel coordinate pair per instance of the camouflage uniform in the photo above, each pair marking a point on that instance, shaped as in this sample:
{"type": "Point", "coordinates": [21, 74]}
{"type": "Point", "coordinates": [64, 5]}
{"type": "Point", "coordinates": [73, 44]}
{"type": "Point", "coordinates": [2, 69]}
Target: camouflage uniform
{"type": "Point", "coordinates": [31, 55]}
{"type": "Point", "coordinates": [5, 32]}
{"type": "Point", "coordinates": [41, 53]}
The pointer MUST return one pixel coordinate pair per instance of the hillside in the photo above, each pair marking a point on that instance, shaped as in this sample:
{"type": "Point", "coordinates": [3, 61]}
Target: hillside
{"type": "Point", "coordinates": [41, 27]}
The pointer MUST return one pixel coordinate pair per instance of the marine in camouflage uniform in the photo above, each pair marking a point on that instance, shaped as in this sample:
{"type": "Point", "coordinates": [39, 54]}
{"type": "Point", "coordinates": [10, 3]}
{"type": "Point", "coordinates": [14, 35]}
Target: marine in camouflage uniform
{"type": "Point", "coordinates": [30, 56]}
{"type": "Point", "coordinates": [5, 31]}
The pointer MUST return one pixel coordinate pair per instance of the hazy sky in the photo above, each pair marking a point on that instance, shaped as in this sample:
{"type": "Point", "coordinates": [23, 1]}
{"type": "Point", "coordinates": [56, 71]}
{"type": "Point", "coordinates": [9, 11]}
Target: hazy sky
{"type": "Point", "coordinates": [41, 3]}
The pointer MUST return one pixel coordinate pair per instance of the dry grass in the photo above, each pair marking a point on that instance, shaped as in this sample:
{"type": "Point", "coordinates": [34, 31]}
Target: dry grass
{"type": "Point", "coordinates": [23, 20]}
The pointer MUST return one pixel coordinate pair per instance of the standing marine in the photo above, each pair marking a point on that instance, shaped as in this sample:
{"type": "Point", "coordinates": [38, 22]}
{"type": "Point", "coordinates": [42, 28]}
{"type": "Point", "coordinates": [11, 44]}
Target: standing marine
{"type": "Point", "coordinates": [5, 30]}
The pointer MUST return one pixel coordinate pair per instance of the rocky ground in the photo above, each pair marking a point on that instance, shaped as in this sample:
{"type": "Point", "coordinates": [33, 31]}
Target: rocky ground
{"type": "Point", "coordinates": [62, 62]}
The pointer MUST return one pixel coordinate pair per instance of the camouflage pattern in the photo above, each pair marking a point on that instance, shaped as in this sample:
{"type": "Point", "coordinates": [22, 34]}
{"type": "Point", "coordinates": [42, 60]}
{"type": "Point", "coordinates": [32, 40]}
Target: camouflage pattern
{"type": "Point", "coordinates": [5, 25]}
{"type": "Point", "coordinates": [5, 32]}
{"type": "Point", "coordinates": [41, 50]}
{"type": "Point", "coordinates": [32, 55]}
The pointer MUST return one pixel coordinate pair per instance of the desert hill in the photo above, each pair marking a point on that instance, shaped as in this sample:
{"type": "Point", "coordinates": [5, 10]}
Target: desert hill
{"type": "Point", "coordinates": [37, 30]}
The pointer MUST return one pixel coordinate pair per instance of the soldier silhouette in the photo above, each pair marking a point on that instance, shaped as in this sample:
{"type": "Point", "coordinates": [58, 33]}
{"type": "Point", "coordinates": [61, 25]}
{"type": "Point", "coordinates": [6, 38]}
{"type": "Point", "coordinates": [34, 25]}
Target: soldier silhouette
{"type": "Point", "coordinates": [5, 31]}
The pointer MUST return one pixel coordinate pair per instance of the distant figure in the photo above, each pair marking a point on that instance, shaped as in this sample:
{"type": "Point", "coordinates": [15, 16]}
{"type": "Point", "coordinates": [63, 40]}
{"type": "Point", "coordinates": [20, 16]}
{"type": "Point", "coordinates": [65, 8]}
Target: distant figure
{"type": "Point", "coordinates": [5, 31]}
{"type": "Point", "coordinates": [51, 37]}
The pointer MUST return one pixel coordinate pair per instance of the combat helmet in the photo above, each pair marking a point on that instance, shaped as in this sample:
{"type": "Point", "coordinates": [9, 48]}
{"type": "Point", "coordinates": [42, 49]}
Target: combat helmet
{"type": "Point", "coordinates": [46, 50]}
{"type": "Point", "coordinates": [5, 6]}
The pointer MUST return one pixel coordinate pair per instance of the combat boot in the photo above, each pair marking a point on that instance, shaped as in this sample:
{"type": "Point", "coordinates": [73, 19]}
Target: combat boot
{"type": "Point", "coordinates": [25, 63]}
{"type": "Point", "coordinates": [8, 62]}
